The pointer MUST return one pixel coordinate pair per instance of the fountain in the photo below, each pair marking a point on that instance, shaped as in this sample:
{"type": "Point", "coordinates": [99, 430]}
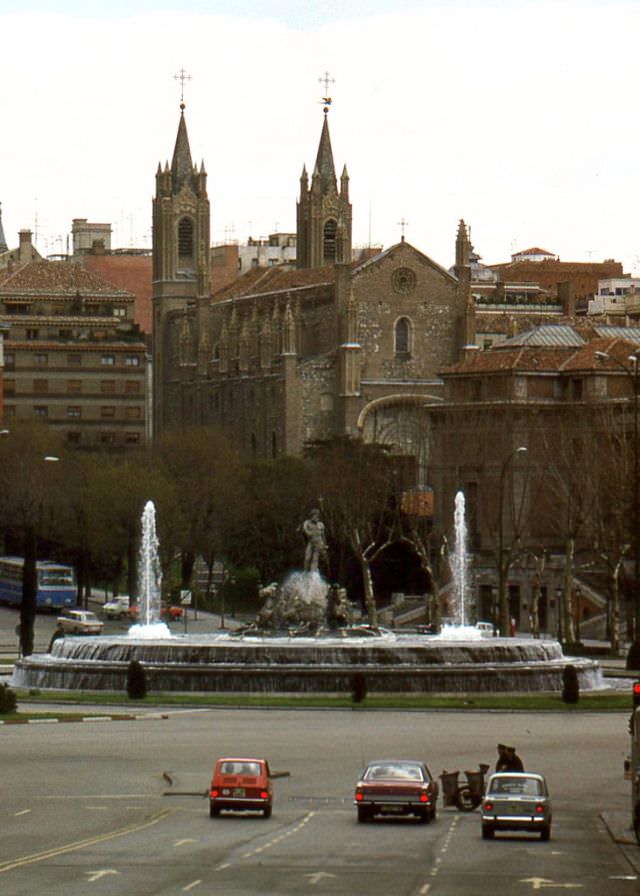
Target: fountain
{"type": "Point", "coordinates": [460, 631]}
{"type": "Point", "coordinates": [149, 624]}
{"type": "Point", "coordinates": [300, 643]}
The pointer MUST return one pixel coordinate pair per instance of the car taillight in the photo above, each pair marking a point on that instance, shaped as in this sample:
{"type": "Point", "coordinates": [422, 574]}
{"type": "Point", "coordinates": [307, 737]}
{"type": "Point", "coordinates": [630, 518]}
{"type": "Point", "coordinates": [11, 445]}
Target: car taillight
{"type": "Point", "coordinates": [214, 793]}
{"type": "Point", "coordinates": [264, 795]}
{"type": "Point", "coordinates": [358, 794]}
{"type": "Point", "coordinates": [539, 808]}
{"type": "Point", "coordinates": [424, 797]}
{"type": "Point", "coordinates": [488, 806]}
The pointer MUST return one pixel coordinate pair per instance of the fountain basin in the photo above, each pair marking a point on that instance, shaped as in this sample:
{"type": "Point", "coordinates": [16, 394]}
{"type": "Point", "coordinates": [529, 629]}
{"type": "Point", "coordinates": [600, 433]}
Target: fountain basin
{"type": "Point", "coordinates": [253, 664]}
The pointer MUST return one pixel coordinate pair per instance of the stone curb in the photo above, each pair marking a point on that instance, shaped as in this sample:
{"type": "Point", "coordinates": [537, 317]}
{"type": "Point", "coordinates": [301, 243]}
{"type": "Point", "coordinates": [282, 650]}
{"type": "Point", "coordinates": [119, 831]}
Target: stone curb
{"type": "Point", "coordinates": [64, 720]}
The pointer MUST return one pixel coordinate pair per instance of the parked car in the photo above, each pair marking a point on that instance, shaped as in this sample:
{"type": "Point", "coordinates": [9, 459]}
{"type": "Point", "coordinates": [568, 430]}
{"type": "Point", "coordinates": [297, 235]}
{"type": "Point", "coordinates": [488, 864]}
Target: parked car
{"type": "Point", "coordinates": [80, 622]}
{"type": "Point", "coordinates": [240, 785]}
{"type": "Point", "coordinates": [396, 787]}
{"type": "Point", "coordinates": [485, 629]}
{"type": "Point", "coordinates": [117, 608]}
{"type": "Point", "coordinates": [516, 801]}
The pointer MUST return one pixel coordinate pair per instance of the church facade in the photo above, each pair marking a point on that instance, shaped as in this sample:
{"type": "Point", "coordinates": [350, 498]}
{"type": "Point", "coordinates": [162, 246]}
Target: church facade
{"type": "Point", "coordinates": [285, 356]}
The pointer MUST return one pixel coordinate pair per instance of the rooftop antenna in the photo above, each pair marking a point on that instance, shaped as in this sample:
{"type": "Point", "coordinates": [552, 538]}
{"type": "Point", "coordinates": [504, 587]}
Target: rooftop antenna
{"type": "Point", "coordinates": [182, 76]}
{"type": "Point", "coordinates": [326, 79]}
{"type": "Point", "coordinates": [590, 252]}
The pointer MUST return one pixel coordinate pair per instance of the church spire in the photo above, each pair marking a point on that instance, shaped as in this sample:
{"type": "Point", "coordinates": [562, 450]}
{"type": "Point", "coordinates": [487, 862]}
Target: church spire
{"type": "Point", "coordinates": [3, 242]}
{"type": "Point", "coordinates": [324, 214]}
{"type": "Point", "coordinates": [181, 164]}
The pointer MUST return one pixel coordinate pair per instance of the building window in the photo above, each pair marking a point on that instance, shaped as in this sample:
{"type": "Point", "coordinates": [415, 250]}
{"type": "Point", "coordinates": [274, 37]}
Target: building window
{"type": "Point", "coordinates": [107, 438]}
{"type": "Point", "coordinates": [402, 338]}
{"type": "Point", "coordinates": [132, 387]}
{"type": "Point", "coordinates": [132, 438]}
{"type": "Point", "coordinates": [74, 385]}
{"type": "Point", "coordinates": [107, 385]}
{"type": "Point", "coordinates": [107, 360]}
{"type": "Point", "coordinates": [32, 334]}
{"type": "Point", "coordinates": [9, 411]}
{"type": "Point", "coordinates": [576, 389]}
{"type": "Point", "coordinates": [73, 438]}
{"type": "Point", "coordinates": [132, 413]}
{"type": "Point", "coordinates": [74, 411]}
{"type": "Point", "coordinates": [9, 387]}
{"type": "Point", "coordinates": [132, 361]}
{"type": "Point", "coordinates": [185, 238]}
{"type": "Point", "coordinates": [41, 359]}
{"type": "Point", "coordinates": [9, 361]}
{"type": "Point", "coordinates": [119, 312]}
{"type": "Point", "coordinates": [329, 241]}
{"type": "Point", "coordinates": [107, 411]}
{"type": "Point", "coordinates": [41, 410]}
{"type": "Point", "coordinates": [74, 359]}
{"type": "Point", "coordinates": [41, 385]}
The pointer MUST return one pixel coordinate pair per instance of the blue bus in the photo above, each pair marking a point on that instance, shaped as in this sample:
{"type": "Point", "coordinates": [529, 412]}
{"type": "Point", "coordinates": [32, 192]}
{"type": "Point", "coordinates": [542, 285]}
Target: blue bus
{"type": "Point", "coordinates": [56, 584]}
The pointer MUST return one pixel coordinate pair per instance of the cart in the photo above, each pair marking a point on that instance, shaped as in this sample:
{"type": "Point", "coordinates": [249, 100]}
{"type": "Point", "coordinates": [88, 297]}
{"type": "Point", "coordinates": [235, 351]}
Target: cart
{"type": "Point", "coordinates": [465, 795]}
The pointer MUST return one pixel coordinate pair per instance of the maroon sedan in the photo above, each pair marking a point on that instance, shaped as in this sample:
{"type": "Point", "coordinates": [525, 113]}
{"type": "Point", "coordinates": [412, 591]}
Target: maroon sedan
{"type": "Point", "coordinates": [396, 787]}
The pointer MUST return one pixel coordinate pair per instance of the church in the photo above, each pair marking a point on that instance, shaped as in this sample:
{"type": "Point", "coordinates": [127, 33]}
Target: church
{"type": "Point", "coordinates": [285, 356]}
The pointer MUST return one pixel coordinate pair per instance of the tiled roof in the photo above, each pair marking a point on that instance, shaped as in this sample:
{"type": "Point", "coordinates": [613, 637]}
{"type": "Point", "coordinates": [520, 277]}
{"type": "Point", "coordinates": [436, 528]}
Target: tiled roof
{"type": "Point", "coordinates": [260, 281]}
{"type": "Point", "coordinates": [59, 277]}
{"type": "Point", "coordinates": [535, 250]}
{"type": "Point", "coordinates": [533, 358]}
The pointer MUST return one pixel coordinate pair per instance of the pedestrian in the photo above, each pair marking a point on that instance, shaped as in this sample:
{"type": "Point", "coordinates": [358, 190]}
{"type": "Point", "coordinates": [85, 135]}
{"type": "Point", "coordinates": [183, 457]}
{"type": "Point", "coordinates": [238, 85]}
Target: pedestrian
{"type": "Point", "coordinates": [501, 764]}
{"type": "Point", "coordinates": [513, 760]}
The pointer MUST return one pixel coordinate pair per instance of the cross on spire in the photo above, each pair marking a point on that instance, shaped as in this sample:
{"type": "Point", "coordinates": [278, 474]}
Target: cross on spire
{"type": "Point", "coordinates": [326, 79]}
{"type": "Point", "coordinates": [403, 224]}
{"type": "Point", "coordinates": [182, 76]}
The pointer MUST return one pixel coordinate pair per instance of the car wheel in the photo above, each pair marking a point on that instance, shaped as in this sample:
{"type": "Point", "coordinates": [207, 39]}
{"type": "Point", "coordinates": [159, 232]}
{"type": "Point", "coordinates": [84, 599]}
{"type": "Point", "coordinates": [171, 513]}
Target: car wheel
{"type": "Point", "coordinates": [267, 811]}
{"type": "Point", "coordinates": [364, 814]}
{"type": "Point", "coordinates": [434, 812]}
{"type": "Point", "coordinates": [214, 811]}
{"type": "Point", "coordinates": [545, 833]}
{"type": "Point", "coordinates": [425, 816]}
{"type": "Point", "coordinates": [487, 832]}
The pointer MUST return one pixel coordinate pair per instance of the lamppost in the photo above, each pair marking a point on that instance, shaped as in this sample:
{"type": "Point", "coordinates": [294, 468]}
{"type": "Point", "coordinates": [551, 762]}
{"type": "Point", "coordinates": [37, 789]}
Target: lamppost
{"type": "Point", "coordinates": [633, 374]}
{"type": "Point", "coordinates": [503, 603]}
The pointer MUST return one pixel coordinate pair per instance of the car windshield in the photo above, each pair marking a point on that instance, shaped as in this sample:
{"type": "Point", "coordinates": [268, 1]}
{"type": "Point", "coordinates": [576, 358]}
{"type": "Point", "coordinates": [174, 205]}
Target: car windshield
{"type": "Point", "coordinates": [249, 769]}
{"type": "Point", "coordinates": [394, 770]}
{"type": "Point", "coordinates": [517, 786]}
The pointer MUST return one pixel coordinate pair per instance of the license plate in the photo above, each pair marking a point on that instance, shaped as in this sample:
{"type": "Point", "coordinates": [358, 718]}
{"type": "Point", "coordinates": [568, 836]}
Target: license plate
{"type": "Point", "coordinates": [238, 791]}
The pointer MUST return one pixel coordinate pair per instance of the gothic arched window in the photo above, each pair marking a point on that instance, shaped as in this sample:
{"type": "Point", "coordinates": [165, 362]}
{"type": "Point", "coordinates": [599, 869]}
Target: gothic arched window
{"type": "Point", "coordinates": [329, 241]}
{"type": "Point", "coordinates": [185, 239]}
{"type": "Point", "coordinates": [403, 338]}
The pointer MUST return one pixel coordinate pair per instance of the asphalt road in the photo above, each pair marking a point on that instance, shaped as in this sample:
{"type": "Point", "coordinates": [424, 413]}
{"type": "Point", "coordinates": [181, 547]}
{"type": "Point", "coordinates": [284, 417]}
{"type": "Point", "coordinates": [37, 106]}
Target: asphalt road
{"type": "Point", "coordinates": [119, 807]}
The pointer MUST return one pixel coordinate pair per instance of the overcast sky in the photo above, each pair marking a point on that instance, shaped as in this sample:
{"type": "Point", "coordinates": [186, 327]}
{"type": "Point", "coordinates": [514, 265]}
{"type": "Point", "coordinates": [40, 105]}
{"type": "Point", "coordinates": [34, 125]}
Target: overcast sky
{"type": "Point", "coordinates": [520, 117]}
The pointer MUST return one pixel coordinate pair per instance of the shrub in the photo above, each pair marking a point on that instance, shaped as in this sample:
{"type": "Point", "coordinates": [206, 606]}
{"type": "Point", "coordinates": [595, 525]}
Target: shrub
{"type": "Point", "coordinates": [570, 685]}
{"type": "Point", "coordinates": [358, 687]}
{"type": "Point", "coordinates": [136, 681]}
{"type": "Point", "coordinates": [8, 701]}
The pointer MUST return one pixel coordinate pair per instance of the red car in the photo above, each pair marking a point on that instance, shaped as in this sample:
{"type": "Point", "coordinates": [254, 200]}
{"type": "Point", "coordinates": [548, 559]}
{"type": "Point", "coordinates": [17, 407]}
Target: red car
{"type": "Point", "coordinates": [241, 784]}
{"type": "Point", "coordinates": [167, 611]}
{"type": "Point", "coordinates": [396, 787]}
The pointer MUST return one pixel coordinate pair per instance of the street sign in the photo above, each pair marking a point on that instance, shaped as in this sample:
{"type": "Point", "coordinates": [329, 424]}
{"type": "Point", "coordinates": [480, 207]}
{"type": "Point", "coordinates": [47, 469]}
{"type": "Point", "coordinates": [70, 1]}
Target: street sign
{"type": "Point", "coordinates": [185, 598]}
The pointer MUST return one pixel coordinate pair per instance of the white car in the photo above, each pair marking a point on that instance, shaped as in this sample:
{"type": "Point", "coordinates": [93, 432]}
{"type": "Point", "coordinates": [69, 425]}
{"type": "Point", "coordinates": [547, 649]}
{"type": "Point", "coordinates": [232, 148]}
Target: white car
{"type": "Point", "coordinates": [80, 622]}
{"type": "Point", "coordinates": [118, 608]}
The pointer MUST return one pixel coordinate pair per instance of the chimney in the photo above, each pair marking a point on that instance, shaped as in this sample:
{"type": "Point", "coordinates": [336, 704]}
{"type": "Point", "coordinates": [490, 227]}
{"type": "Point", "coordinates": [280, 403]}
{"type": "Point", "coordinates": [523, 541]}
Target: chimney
{"type": "Point", "coordinates": [25, 252]}
{"type": "Point", "coordinates": [567, 298]}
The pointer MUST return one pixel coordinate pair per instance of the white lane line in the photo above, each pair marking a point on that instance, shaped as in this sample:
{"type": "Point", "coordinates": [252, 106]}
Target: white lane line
{"type": "Point", "coordinates": [194, 883]}
{"type": "Point", "coordinates": [282, 836]}
{"type": "Point", "coordinates": [23, 812]}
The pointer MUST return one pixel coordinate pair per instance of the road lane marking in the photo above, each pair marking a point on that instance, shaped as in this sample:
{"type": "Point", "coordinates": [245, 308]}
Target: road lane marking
{"type": "Point", "coordinates": [93, 876]}
{"type": "Point", "coordinates": [185, 840]}
{"type": "Point", "coordinates": [81, 844]}
{"type": "Point", "coordinates": [194, 883]}
{"type": "Point", "coordinates": [279, 837]}
{"type": "Point", "coordinates": [23, 812]}
{"type": "Point", "coordinates": [316, 876]}
{"type": "Point", "coordinates": [425, 889]}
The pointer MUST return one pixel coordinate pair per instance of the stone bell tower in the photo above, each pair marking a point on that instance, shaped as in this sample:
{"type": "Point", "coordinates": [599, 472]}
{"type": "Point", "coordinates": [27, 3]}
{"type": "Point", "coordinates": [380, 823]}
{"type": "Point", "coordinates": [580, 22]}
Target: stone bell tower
{"type": "Point", "coordinates": [324, 212]}
{"type": "Point", "coordinates": [181, 222]}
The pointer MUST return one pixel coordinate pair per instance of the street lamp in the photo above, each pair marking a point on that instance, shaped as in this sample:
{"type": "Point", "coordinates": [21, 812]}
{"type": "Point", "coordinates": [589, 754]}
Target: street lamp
{"type": "Point", "coordinates": [503, 604]}
{"type": "Point", "coordinates": [633, 373]}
